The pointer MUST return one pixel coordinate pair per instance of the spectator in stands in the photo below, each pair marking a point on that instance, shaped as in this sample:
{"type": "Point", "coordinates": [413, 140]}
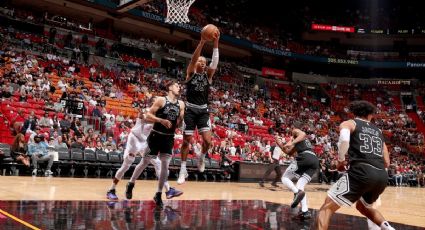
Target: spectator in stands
{"type": "Point", "coordinates": [29, 124]}
{"type": "Point", "coordinates": [45, 121]}
{"type": "Point", "coordinates": [19, 150]}
{"type": "Point", "coordinates": [109, 124]}
{"type": "Point", "coordinates": [18, 121]}
{"type": "Point", "coordinates": [99, 146]}
{"type": "Point", "coordinates": [59, 143]}
{"type": "Point", "coordinates": [65, 124]}
{"type": "Point", "coordinates": [38, 153]}
{"type": "Point", "coordinates": [421, 176]}
{"type": "Point", "coordinates": [78, 144]}
{"type": "Point", "coordinates": [398, 177]}
{"type": "Point", "coordinates": [322, 171]}
{"type": "Point", "coordinates": [110, 144]}
{"type": "Point", "coordinates": [120, 117]}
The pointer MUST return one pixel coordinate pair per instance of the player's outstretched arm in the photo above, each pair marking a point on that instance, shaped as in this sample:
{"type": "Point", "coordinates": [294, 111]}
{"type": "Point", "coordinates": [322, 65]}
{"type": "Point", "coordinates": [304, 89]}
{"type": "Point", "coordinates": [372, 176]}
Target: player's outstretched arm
{"type": "Point", "coordinates": [195, 56]}
{"type": "Point", "coordinates": [214, 59]}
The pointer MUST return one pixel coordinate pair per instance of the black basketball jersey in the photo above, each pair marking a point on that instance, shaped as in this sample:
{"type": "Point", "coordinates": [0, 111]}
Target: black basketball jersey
{"type": "Point", "coordinates": [303, 146]}
{"type": "Point", "coordinates": [366, 144]}
{"type": "Point", "coordinates": [197, 89]}
{"type": "Point", "coordinates": [170, 111]}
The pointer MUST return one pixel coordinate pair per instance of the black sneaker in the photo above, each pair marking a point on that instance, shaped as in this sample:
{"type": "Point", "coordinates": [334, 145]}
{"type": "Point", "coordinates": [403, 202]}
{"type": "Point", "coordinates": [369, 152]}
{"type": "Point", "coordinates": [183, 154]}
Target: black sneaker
{"type": "Point", "coordinates": [304, 215]}
{"type": "Point", "coordinates": [261, 183]}
{"type": "Point", "coordinates": [274, 184]}
{"type": "Point", "coordinates": [158, 200]}
{"type": "Point", "coordinates": [129, 190]}
{"type": "Point", "coordinates": [297, 198]}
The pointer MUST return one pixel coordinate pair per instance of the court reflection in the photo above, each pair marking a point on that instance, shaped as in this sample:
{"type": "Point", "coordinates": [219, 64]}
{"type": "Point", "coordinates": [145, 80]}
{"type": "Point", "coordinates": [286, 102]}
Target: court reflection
{"type": "Point", "coordinates": [181, 214]}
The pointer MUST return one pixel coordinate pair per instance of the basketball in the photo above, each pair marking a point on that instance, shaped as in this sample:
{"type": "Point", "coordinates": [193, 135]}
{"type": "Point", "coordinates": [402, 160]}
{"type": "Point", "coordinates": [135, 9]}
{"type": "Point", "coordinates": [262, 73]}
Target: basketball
{"type": "Point", "coordinates": [209, 32]}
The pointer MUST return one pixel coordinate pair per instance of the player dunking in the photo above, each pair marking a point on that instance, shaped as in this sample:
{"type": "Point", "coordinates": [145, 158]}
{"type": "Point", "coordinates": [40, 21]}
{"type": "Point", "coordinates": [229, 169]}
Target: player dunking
{"type": "Point", "coordinates": [136, 144]}
{"type": "Point", "coordinates": [366, 177]}
{"type": "Point", "coordinates": [198, 81]}
{"type": "Point", "coordinates": [166, 113]}
{"type": "Point", "coordinates": [303, 168]}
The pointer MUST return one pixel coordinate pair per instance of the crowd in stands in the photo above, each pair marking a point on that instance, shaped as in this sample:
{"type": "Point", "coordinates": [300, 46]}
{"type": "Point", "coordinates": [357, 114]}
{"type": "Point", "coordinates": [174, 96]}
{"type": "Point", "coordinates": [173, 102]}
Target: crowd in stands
{"type": "Point", "coordinates": [245, 123]}
{"type": "Point", "coordinates": [287, 36]}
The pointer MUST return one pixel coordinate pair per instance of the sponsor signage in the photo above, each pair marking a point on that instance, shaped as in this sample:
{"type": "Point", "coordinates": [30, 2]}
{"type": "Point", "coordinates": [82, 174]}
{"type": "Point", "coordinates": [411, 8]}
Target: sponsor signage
{"type": "Point", "coordinates": [344, 29]}
{"type": "Point", "coordinates": [279, 73]}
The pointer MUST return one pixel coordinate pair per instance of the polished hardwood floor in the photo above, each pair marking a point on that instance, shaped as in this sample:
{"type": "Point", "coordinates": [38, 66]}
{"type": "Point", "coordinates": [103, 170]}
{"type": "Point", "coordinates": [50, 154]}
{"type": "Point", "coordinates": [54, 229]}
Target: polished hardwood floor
{"type": "Point", "coordinates": [399, 204]}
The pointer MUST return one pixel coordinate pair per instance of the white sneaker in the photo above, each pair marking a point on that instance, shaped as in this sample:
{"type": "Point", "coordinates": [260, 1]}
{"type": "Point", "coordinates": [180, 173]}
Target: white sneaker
{"type": "Point", "coordinates": [201, 163]}
{"type": "Point", "coordinates": [34, 172]}
{"type": "Point", "coordinates": [48, 173]}
{"type": "Point", "coordinates": [182, 176]}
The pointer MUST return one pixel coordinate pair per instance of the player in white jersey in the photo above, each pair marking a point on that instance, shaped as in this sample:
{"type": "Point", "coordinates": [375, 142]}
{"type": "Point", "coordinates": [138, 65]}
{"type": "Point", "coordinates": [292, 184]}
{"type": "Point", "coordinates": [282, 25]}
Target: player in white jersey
{"type": "Point", "coordinates": [136, 144]}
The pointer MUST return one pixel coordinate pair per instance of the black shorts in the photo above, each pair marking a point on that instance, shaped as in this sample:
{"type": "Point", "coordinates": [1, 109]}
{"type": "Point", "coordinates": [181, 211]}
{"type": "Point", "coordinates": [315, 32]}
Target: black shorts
{"type": "Point", "coordinates": [196, 118]}
{"type": "Point", "coordinates": [306, 165]}
{"type": "Point", "coordinates": [362, 182]}
{"type": "Point", "coordinates": [159, 143]}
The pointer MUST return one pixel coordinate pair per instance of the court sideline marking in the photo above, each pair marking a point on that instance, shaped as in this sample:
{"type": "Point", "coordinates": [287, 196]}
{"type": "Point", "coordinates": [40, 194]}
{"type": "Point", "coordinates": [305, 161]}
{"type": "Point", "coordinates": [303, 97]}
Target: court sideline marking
{"type": "Point", "coordinates": [19, 220]}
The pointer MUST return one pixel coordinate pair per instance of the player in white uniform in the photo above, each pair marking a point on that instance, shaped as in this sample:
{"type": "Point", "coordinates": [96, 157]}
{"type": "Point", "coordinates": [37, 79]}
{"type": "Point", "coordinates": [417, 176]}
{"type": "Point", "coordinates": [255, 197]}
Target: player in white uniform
{"type": "Point", "coordinates": [137, 144]}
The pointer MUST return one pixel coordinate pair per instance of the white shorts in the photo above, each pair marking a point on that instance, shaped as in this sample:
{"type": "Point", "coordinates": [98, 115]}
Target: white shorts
{"type": "Point", "coordinates": [135, 145]}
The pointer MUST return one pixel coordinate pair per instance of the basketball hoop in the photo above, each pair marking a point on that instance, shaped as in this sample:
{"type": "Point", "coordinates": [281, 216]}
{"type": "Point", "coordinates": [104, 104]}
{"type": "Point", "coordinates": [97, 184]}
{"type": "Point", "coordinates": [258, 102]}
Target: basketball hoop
{"type": "Point", "coordinates": [177, 11]}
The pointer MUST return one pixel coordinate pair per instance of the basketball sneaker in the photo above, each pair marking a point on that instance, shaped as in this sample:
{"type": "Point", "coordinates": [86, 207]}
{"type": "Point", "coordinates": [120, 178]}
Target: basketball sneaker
{"type": "Point", "coordinates": [129, 190]}
{"type": "Point", "coordinates": [173, 193]}
{"type": "Point", "coordinates": [34, 172]}
{"type": "Point", "coordinates": [261, 183]}
{"type": "Point", "coordinates": [158, 200]}
{"type": "Point", "coordinates": [304, 215]}
{"type": "Point", "coordinates": [182, 176]}
{"type": "Point", "coordinates": [274, 184]}
{"type": "Point", "coordinates": [110, 195]}
{"type": "Point", "coordinates": [48, 173]}
{"type": "Point", "coordinates": [297, 198]}
{"type": "Point", "coordinates": [201, 163]}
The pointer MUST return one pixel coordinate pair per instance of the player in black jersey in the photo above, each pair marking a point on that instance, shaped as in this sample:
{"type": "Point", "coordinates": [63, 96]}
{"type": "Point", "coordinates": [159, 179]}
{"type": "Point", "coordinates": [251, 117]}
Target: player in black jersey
{"type": "Point", "coordinates": [303, 168]}
{"type": "Point", "coordinates": [366, 177]}
{"type": "Point", "coordinates": [166, 113]}
{"type": "Point", "coordinates": [198, 81]}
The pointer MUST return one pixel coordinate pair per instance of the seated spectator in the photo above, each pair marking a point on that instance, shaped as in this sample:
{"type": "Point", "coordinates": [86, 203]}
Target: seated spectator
{"type": "Point", "coordinates": [99, 146]}
{"type": "Point", "coordinates": [38, 153]}
{"type": "Point", "coordinates": [19, 150]}
{"type": "Point", "coordinates": [78, 144]}
{"type": "Point", "coordinates": [59, 143]}
{"type": "Point", "coordinates": [65, 124]}
{"type": "Point", "coordinates": [18, 121]}
{"type": "Point", "coordinates": [29, 124]}
{"type": "Point", "coordinates": [120, 117]}
{"type": "Point", "coordinates": [45, 121]}
{"type": "Point", "coordinates": [110, 144]}
{"type": "Point", "coordinates": [58, 106]}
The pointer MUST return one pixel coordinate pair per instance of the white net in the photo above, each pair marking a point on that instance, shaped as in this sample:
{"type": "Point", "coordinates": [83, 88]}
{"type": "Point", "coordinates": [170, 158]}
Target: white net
{"type": "Point", "coordinates": [177, 11]}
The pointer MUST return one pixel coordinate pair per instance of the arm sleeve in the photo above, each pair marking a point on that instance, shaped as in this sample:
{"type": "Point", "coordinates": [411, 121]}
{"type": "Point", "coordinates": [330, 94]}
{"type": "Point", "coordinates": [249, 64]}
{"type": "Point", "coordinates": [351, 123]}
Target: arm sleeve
{"type": "Point", "coordinates": [214, 59]}
{"type": "Point", "coordinates": [343, 143]}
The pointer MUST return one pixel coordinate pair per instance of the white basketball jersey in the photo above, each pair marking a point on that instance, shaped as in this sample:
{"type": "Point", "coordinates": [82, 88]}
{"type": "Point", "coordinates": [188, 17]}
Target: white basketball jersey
{"type": "Point", "coordinates": [142, 129]}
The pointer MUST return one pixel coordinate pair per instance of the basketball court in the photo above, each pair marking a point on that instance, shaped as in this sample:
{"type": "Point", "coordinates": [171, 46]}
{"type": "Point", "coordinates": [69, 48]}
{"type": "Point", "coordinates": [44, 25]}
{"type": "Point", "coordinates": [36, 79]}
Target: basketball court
{"type": "Point", "coordinates": [80, 203]}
